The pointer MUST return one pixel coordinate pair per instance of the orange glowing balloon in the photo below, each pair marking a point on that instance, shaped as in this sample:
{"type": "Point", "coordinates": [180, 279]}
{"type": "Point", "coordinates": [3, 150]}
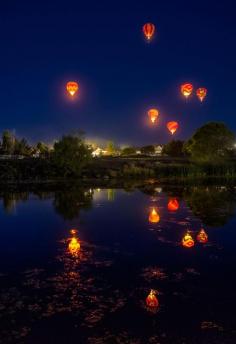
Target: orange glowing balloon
{"type": "Point", "coordinates": [152, 300]}
{"type": "Point", "coordinates": [74, 246]}
{"type": "Point", "coordinates": [148, 30]}
{"type": "Point", "coordinates": [173, 205]}
{"type": "Point", "coordinates": [201, 93]}
{"type": "Point", "coordinates": [186, 90]}
{"type": "Point", "coordinates": [188, 241]}
{"type": "Point", "coordinates": [153, 114]}
{"type": "Point", "coordinates": [202, 236]}
{"type": "Point", "coordinates": [172, 126]}
{"type": "Point", "coordinates": [154, 216]}
{"type": "Point", "coordinates": [72, 87]}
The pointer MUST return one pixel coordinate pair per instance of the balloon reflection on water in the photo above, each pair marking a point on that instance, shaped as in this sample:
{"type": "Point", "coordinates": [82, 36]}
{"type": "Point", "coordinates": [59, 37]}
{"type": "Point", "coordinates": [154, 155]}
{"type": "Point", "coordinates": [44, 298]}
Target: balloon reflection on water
{"type": "Point", "coordinates": [202, 236]}
{"type": "Point", "coordinates": [154, 217]}
{"type": "Point", "coordinates": [73, 231]}
{"type": "Point", "coordinates": [152, 300]}
{"type": "Point", "coordinates": [173, 205]}
{"type": "Point", "coordinates": [188, 240]}
{"type": "Point", "coordinates": [74, 244]}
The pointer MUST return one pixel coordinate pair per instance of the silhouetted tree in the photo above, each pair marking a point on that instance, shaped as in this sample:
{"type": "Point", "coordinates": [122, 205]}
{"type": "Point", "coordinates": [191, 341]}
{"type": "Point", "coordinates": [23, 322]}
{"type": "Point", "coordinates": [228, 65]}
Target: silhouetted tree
{"type": "Point", "coordinates": [21, 147]}
{"type": "Point", "coordinates": [128, 151]}
{"type": "Point", "coordinates": [150, 149]}
{"type": "Point", "coordinates": [110, 148]}
{"type": "Point", "coordinates": [173, 148]}
{"type": "Point", "coordinates": [43, 149]}
{"type": "Point", "coordinates": [70, 155]}
{"type": "Point", "coordinates": [212, 142]}
{"type": "Point", "coordinates": [8, 142]}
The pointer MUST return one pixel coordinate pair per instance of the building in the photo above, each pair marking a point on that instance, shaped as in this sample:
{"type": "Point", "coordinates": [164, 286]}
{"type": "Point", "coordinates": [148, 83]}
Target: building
{"type": "Point", "coordinates": [158, 149]}
{"type": "Point", "coordinates": [98, 152]}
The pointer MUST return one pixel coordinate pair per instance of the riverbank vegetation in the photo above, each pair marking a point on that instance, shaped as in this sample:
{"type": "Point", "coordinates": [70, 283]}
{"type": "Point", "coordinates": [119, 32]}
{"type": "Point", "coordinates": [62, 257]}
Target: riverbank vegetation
{"type": "Point", "coordinates": [210, 152]}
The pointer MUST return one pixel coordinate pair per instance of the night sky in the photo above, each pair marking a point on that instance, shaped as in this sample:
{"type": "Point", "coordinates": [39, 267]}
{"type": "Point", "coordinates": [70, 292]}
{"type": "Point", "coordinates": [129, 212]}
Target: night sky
{"type": "Point", "coordinates": [100, 44]}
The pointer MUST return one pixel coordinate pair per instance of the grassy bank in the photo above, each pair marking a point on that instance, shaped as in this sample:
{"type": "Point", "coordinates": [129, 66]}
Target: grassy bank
{"type": "Point", "coordinates": [44, 170]}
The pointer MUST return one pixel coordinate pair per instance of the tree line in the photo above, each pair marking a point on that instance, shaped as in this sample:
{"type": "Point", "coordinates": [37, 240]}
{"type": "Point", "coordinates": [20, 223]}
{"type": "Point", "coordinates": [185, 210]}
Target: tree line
{"type": "Point", "coordinates": [212, 143]}
{"type": "Point", "coordinates": [11, 145]}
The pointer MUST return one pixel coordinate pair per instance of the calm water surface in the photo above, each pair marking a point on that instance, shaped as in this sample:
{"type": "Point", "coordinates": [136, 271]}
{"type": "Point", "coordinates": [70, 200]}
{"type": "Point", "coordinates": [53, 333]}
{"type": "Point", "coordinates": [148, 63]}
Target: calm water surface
{"type": "Point", "coordinates": [53, 291]}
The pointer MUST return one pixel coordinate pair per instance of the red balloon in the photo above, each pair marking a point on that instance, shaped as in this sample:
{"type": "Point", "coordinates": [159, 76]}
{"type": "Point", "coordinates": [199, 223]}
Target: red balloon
{"type": "Point", "coordinates": [72, 87]}
{"type": "Point", "coordinates": [153, 114]}
{"type": "Point", "coordinates": [186, 89]}
{"type": "Point", "coordinates": [201, 93]}
{"type": "Point", "coordinates": [148, 30]}
{"type": "Point", "coordinates": [172, 126]}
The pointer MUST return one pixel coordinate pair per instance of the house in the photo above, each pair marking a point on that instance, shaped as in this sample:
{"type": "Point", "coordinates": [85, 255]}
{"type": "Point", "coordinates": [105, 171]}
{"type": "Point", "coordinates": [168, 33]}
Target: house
{"type": "Point", "coordinates": [158, 149]}
{"type": "Point", "coordinates": [98, 152]}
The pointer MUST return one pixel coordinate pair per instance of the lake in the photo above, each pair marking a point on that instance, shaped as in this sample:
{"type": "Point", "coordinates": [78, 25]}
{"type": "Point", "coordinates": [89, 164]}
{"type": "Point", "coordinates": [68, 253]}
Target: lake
{"type": "Point", "coordinates": [78, 263]}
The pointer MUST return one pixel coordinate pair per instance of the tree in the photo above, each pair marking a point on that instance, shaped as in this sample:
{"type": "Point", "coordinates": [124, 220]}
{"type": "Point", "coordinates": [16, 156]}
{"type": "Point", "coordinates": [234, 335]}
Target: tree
{"type": "Point", "coordinates": [8, 142]}
{"type": "Point", "coordinates": [43, 149]}
{"type": "Point", "coordinates": [173, 148]}
{"type": "Point", "coordinates": [213, 142]}
{"type": "Point", "coordinates": [70, 155]}
{"type": "Point", "coordinates": [128, 151]}
{"type": "Point", "coordinates": [150, 149]}
{"type": "Point", "coordinates": [110, 148]}
{"type": "Point", "coordinates": [21, 147]}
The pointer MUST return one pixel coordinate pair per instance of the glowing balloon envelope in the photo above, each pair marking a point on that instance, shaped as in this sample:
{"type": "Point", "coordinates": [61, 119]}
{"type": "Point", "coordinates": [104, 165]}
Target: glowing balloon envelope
{"type": "Point", "coordinates": [202, 236]}
{"type": "Point", "coordinates": [72, 87]}
{"type": "Point", "coordinates": [201, 93]}
{"type": "Point", "coordinates": [188, 241]}
{"type": "Point", "coordinates": [153, 114]}
{"type": "Point", "coordinates": [172, 126]}
{"type": "Point", "coordinates": [148, 30]}
{"type": "Point", "coordinates": [173, 205]}
{"type": "Point", "coordinates": [186, 90]}
{"type": "Point", "coordinates": [154, 216]}
{"type": "Point", "coordinates": [152, 300]}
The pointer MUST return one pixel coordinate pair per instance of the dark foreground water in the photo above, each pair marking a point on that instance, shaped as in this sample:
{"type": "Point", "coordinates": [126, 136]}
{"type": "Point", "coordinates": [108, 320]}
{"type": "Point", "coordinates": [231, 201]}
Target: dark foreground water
{"type": "Point", "coordinates": [52, 291]}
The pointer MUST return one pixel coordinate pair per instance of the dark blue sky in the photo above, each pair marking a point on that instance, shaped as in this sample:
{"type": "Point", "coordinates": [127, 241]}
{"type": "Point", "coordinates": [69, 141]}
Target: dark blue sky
{"type": "Point", "coordinates": [100, 44]}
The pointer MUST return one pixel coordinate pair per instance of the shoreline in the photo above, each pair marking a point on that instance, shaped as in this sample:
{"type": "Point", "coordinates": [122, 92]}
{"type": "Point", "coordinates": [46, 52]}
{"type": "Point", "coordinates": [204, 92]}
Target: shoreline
{"type": "Point", "coordinates": [120, 182]}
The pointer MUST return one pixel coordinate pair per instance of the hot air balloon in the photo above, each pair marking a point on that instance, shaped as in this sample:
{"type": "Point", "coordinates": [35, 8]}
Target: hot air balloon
{"type": "Point", "coordinates": [148, 30]}
{"type": "Point", "coordinates": [153, 114]}
{"type": "Point", "coordinates": [72, 87]}
{"type": "Point", "coordinates": [172, 126]}
{"type": "Point", "coordinates": [152, 300]}
{"type": "Point", "coordinates": [154, 216]}
{"type": "Point", "coordinates": [186, 90]}
{"type": "Point", "coordinates": [173, 205]}
{"type": "Point", "coordinates": [201, 93]}
{"type": "Point", "coordinates": [188, 241]}
{"type": "Point", "coordinates": [74, 247]}
{"type": "Point", "coordinates": [202, 236]}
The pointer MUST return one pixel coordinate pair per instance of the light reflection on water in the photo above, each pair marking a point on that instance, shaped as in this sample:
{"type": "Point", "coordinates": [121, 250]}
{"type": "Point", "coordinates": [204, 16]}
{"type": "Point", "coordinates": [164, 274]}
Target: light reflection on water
{"type": "Point", "coordinates": [83, 261]}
